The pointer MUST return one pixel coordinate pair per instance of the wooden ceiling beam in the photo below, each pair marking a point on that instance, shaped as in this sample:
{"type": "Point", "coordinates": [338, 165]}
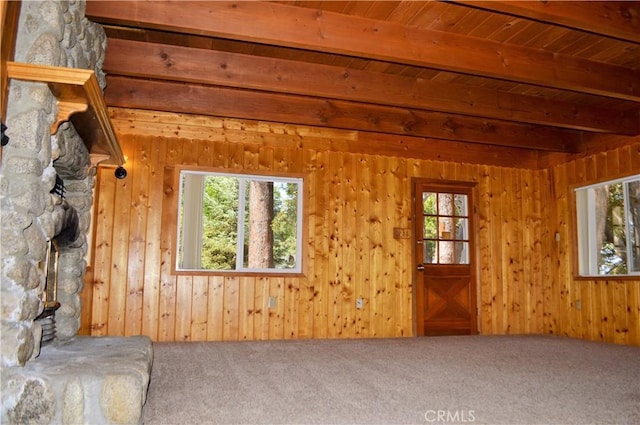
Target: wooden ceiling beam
{"type": "Point", "coordinates": [304, 28]}
{"type": "Point", "coordinates": [159, 61]}
{"type": "Point", "coordinates": [293, 109]}
{"type": "Point", "coordinates": [617, 19]}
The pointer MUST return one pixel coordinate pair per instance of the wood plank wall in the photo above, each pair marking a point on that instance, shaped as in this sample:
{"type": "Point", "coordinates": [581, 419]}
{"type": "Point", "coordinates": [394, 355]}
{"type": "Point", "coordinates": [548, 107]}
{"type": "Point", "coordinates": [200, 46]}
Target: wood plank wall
{"type": "Point", "coordinates": [599, 310]}
{"type": "Point", "coordinates": [353, 202]}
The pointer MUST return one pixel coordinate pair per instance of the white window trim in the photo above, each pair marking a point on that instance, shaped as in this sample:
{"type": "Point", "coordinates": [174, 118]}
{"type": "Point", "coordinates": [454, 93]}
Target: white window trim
{"type": "Point", "coordinates": [586, 224]}
{"type": "Point", "coordinates": [243, 178]}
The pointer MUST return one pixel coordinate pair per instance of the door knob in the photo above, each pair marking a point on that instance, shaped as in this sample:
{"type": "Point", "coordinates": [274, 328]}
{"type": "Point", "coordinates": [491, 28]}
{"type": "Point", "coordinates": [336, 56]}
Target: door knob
{"type": "Point", "coordinates": [420, 267]}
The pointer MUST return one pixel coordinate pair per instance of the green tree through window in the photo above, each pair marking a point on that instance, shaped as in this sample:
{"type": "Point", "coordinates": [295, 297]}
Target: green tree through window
{"type": "Point", "coordinates": [225, 218]}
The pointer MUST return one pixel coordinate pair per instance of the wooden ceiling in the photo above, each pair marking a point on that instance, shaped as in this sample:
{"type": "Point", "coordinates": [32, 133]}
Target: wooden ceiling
{"type": "Point", "coordinates": [545, 76]}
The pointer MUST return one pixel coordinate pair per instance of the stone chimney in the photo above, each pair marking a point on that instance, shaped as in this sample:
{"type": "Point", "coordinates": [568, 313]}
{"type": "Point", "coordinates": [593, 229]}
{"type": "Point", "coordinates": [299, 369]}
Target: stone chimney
{"type": "Point", "coordinates": [70, 378]}
{"type": "Point", "coordinates": [49, 33]}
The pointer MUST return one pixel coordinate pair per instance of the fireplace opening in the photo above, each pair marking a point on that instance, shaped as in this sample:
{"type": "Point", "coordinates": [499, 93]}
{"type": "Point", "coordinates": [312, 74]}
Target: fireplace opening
{"type": "Point", "coordinates": [66, 224]}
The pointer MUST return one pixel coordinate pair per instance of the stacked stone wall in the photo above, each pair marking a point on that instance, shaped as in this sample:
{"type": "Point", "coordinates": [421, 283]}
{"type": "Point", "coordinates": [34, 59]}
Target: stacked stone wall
{"type": "Point", "coordinates": [73, 379]}
{"type": "Point", "coordinates": [50, 33]}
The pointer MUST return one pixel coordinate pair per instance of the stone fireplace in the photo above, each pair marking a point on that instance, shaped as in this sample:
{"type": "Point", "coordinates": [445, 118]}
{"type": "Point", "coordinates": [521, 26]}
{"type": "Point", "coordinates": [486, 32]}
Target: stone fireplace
{"type": "Point", "coordinates": [46, 195]}
{"type": "Point", "coordinates": [27, 238]}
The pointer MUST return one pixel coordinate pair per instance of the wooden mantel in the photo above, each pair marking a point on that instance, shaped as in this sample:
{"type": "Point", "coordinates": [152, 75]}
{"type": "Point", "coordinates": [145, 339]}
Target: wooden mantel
{"type": "Point", "coordinates": [80, 101]}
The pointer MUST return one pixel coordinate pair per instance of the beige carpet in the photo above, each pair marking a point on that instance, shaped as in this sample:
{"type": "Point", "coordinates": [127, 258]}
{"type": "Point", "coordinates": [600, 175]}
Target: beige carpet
{"type": "Point", "coordinates": [473, 379]}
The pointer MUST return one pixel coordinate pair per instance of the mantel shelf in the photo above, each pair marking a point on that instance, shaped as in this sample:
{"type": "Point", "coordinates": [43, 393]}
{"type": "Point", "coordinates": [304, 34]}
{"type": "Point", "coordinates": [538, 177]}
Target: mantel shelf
{"type": "Point", "coordinates": [80, 101]}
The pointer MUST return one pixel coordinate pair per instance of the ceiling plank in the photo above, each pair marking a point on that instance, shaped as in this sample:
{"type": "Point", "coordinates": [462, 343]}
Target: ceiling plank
{"type": "Point", "coordinates": [299, 27]}
{"type": "Point", "coordinates": [159, 61]}
{"type": "Point", "coordinates": [292, 109]}
{"type": "Point", "coordinates": [617, 19]}
{"type": "Point", "coordinates": [197, 127]}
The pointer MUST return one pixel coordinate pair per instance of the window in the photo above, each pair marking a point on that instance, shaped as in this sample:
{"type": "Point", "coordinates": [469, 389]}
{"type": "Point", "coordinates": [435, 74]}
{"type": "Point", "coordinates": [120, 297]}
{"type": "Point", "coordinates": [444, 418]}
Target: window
{"type": "Point", "coordinates": [608, 218]}
{"type": "Point", "coordinates": [237, 222]}
{"type": "Point", "coordinates": [446, 228]}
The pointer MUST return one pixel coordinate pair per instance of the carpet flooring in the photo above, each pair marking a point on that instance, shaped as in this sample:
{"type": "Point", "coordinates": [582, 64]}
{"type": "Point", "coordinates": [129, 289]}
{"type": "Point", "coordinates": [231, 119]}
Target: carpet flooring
{"type": "Point", "coordinates": [467, 379]}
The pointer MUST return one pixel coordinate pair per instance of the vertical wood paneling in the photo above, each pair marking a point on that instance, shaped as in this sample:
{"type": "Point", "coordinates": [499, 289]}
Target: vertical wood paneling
{"type": "Point", "coordinates": [587, 305]}
{"type": "Point", "coordinates": [633, 314]}
{"type": "Point", "coordinates": [621, 327]}
{"type": "Point", "coordinates": [215, 308]}
{"type": "Point", "coordinates": [260, 313]}
{"type": "Point", "coordinates": [184, 289]}
{"type": "Point", "coordinates": [388, 220]}
{"type": "Point", "coordinates": [595, 309]}
{"type": "Point", "coordinates": [307, 288]}
{"type": "Point", "coordinates": [499, 284]}
{"type": "Point", "coordinates": [137, 235]}
{"type": "Point", "coordinates": [348, 231]}
{"type": "Point", "coordinates": [376, 243]}
{"type": "Point", "coordinates": [199, 308]}
{"type": "Point", "coordinates": [560, 267]}
{"type": "Point", "coordinates": [246, 308]}
{"type": "Point", "coordinates": [483, 251]}
{"type": "Point", "coordinates": [167, 302]}
{"type": "Point", "coordinates": [321, 248]}
{"type": "Point", "coordinates": [513, 250]}
{"type": "Point", "coordinates": [151, 294]}
{"type": "Point", "coordinates": [527, 217]}
{"type": "Point", "coordinates": [231, 296]}
{"type": "Point", "coordinates": [335, 242]}
{"type": "Point", "coordinates": [361, 271]}
{"type": "Point", "coordinates": [550, 250]}
{"type": "Point", "coordinates": [403, 295]}
{"type": "Point", "coordinates": [352, 203]}
{"type": "Point", "coordinates": [540, 235]}
{"type": "Point", "coordinates": [550, 288]}
{"type": "Point", "coordinates": [595, 296]}
{"type": "Point", "coordinates": [276, 314]}
{"type": "Point", "coordinates": [291, 301]}
{"type": "Point", "coordinates": [101, 267]}
{"type": "Point", "coordinates": [120, 252]}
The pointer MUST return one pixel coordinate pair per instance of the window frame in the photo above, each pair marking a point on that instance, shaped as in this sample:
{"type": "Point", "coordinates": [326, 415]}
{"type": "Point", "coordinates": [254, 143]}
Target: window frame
{"type": "Point", "coordinates": [174, 223]}
{"type": "Point", "coordinates": [577, 216]}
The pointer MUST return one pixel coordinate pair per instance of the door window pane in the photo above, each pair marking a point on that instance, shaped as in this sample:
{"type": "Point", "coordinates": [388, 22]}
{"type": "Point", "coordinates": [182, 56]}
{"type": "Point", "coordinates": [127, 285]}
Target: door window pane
{"type": "Point", "coordinates": [430, 252]}
{"type": "Point", "coordinates": [429, 203]}
{"type": "Point", "coordinates": [430, 226]}
{"type": "Point", "coordinates": [462, 252]}
{"type": "Point", "coordinates": [446, 254]}
{"type": "Point", "coordinates": [462, 229]}
{"type": "Point", "coordinates": [460, 202]}
{"type": "Point", "coordinates": [446, 227]}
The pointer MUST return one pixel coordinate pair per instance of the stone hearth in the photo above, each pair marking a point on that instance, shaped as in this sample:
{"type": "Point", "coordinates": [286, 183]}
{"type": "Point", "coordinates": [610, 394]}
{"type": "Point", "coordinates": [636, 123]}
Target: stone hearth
{"type": "Point", "coordinates": [58, 384]}
{"type": "Point", "coordinates": [72, 379]}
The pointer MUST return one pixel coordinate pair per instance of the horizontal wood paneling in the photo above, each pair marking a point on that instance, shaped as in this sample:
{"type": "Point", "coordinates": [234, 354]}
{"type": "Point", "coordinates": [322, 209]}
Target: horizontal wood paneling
{"type": "Point", "coordinates": [353, 202]}
{"type": "Point", "coordinates": [599, 309]}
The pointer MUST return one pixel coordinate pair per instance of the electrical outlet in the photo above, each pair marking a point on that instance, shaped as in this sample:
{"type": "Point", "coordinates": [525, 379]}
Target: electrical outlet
{"type": "Point", "coordinates": [359, 303]}
{"type": "Point", "coordinates": [273, 302]}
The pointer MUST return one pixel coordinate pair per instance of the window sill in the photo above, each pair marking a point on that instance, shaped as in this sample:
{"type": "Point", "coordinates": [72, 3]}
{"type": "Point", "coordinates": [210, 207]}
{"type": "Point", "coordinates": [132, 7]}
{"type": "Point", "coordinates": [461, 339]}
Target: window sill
{"type": "Point", "coordinates": [635, 277]}
{"type": "Point", "coordinates": [233, 273]}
